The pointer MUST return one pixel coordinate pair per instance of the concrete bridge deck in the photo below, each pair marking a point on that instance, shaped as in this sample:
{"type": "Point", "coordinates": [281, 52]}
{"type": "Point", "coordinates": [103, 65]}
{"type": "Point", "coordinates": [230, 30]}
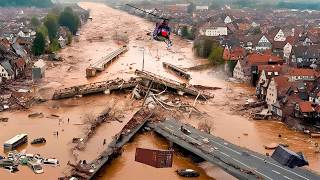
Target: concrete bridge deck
{"type": "Point", "coordinates": [237, 161]}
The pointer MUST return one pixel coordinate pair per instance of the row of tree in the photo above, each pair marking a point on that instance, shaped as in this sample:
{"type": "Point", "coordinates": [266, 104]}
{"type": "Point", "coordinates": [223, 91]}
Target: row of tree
{"type": "Point", "coordinates": [206, 47]}
{"type": "Point", "coordinates": [48, 30]}
{"type": "Point", "coordinates": [26, 3]}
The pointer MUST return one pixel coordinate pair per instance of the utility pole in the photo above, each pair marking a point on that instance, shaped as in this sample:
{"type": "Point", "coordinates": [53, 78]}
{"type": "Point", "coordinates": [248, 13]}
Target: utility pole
{"type": "Point", "coordinates": [143, 59]}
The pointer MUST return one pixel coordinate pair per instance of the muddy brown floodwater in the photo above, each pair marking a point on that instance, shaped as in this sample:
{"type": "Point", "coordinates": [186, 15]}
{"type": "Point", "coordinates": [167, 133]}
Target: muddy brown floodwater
{"type": "Point", "coordinates": [125, 167]}
{"type": "Point", "coordinates": [95, 42]}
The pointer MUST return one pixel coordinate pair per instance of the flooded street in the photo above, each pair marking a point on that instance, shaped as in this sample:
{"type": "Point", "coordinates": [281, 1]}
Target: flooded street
{"type": "Point", "coordinates": [95, 42]}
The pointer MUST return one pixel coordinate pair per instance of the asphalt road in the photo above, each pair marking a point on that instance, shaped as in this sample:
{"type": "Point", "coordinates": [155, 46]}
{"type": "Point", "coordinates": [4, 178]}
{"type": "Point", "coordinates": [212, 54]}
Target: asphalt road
{"type": "Point", "coordinates": [225, 154]}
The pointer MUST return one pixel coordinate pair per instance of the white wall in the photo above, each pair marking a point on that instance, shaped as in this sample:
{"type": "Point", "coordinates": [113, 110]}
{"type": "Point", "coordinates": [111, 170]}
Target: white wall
{"type": "Point", "coordinates": [4, 73]}
{"type": "Point", "coordinates": [271, 97]}
{"type": "Point", "coordinates": [217, 31]}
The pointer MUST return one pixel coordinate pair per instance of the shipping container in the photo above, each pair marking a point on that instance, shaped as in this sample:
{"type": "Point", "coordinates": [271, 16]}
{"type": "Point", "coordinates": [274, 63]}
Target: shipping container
{"type": "Point", "coordinates": [155, 158]}
{"type": "Point", "coordinates": [289, 158]}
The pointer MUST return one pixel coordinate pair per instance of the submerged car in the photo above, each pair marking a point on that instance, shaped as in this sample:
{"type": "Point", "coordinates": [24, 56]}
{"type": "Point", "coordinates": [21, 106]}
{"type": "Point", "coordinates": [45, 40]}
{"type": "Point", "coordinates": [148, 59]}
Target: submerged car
{"type": "Point", "coordinates": [12, 169]}
{"type": "Point", "coordinates": [188, 173]}
{"type": "Point", "coordinates": [39, 141]}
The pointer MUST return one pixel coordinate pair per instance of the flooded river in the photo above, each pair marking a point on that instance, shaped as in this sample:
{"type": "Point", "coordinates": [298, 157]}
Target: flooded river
{"type": "Point", "coordinates": [106, 21]}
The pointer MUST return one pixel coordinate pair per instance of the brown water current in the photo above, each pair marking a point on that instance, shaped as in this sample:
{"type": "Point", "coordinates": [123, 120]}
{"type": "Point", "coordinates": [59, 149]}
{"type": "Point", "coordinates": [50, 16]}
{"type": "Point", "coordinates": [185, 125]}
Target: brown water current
{"type": "Point", "coordinates": [95, 42]}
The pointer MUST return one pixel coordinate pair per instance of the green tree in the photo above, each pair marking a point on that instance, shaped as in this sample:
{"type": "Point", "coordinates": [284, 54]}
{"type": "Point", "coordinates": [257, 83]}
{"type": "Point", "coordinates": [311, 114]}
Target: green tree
{"type": "Point", "coordinates": [35, 21]}
{"type": "Point", "coordinates": [43, 29]}
{"type": "Point", "coordinates": [69, 19]}
{"type": "Point", "coordinates": [191, 8]}
{"type": "Point", "coordinates": [69, 36]}
{"type": "Point", "coordinates": [39, 44]}
{"type": "Point", "coordinates": [184, 32]}
{"type": "Point", "coordinates": [231, 65]}
{"type": "Point", "coordinates": [52, 25]}
{"type": "Point", "coordinates": [54, 45]}
{"type": "Point", "coordinates": [216, 54]}
{"type": "Point", "coordinates": [203, 46]}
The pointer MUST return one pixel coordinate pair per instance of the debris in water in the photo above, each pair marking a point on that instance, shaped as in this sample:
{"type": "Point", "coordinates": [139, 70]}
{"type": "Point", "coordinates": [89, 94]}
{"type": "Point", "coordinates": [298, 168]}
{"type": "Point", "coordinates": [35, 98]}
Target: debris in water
{"type": "Point", "coordinates": [36, 115]}
{"type": "Point", "coordinates": [188, 173]}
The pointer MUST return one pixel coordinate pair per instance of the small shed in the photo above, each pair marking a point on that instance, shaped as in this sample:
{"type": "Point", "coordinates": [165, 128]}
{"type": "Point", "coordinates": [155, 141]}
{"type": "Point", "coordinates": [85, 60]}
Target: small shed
{"type": "Point", "coordinates": [38, 70]}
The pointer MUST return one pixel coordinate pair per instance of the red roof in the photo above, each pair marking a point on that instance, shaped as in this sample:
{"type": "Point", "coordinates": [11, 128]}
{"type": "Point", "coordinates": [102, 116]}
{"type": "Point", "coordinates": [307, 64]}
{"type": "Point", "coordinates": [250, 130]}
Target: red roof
{"type": "Point", "coordinates": [257, 58]}
{"type": "Point", "coordinates": [270, 68]}
{"type": "Point", "coordinates": [306, 107]}
{"type": "Point", "coordinates": [20, 63]}
{"type": "Point", "coordinates": [282, 84]}
{"type": "Point", "coordinates": [233, 54]}
{"type": "Point", "coordinates": [302, 72]}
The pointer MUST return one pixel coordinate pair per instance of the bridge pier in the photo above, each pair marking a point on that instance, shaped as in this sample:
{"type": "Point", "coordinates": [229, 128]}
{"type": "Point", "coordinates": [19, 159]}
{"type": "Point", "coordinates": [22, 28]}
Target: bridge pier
{"type": "Point", "coordinates": [107, 92]}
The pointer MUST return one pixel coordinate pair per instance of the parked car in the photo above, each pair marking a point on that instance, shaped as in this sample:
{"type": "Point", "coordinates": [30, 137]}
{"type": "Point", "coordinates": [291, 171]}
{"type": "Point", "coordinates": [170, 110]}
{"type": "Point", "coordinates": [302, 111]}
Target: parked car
{"type": "Point", "coordinates": [35, 167]}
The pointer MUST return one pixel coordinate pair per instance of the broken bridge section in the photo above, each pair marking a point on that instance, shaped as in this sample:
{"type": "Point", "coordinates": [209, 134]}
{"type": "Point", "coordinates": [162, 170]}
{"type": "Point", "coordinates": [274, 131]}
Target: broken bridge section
{"type": "Point", "coordinates": [103, 62]}
{"type": "Point", "coordinates": [179, 71]}
{"type": "Point", "coordinates": [237, 161]}
{"type": "Point", "coordinates": [97, 87]}
{"type": "Point", "coordinates": [181, 88]}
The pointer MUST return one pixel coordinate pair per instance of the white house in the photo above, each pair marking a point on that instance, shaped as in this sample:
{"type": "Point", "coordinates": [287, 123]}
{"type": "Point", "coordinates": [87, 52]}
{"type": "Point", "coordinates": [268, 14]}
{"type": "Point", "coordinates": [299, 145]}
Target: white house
{"type": "Point", "coordinates": [280, 36]}
{"type": "Point", "coordinates": [304, 74]}
{"type": "Point", "coordinates": [287, 51]}
{"type": "Point", "coordinates": [227, 20]}
{"type": "Point", "coordinates": [202, 8]}
{"type": "Point", "coordinates": [277, 88]}
{"type": "Point", "coordinates": [216, 31]}
{"type": "Point", "coordinates": [263, 44]}
{"type": "Point", "coordinates": [242, 71]}
{"type": "Point", "coordinates": [24, 34]}
{"type": "Point", "coordinates": [254, 24]}
{"type": "Point", "coordinates": [6, 70]}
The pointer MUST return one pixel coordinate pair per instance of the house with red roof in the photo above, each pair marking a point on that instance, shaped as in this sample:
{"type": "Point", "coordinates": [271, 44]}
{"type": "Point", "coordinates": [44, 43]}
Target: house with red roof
{"type": "Point", "coordinates": [233, 54]}
{"type": "Point", "coordinates": [307, 110]}
{"type": "Point", "coordinates": [302, 74]}
{"type": "Point", "coordinates": [263, 59]}
{"type": "Point", "coordinates": [242, 71]}
{"type": "Point", "coordinates": [266, 72]}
